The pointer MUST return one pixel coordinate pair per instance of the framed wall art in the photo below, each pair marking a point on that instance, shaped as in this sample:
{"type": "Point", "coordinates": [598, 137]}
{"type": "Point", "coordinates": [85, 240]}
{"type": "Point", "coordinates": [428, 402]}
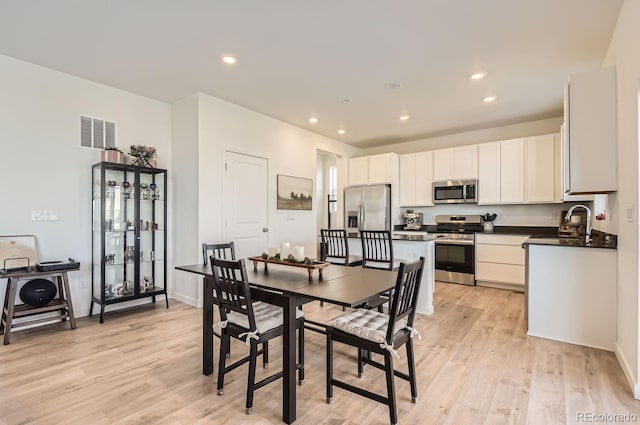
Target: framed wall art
{"type": "Point", "coordinates": [294, 193]}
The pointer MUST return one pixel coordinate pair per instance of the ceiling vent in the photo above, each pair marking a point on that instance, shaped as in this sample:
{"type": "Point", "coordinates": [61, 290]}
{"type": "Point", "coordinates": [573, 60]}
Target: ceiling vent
{"type": "Point", "coordinates": [95, 133]}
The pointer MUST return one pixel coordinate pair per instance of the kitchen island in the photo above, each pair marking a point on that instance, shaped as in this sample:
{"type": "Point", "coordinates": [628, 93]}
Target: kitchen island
{"type": "Point", "coordinates": [570, 292]}
{"type": "Point", "coordinates": [411, 250]}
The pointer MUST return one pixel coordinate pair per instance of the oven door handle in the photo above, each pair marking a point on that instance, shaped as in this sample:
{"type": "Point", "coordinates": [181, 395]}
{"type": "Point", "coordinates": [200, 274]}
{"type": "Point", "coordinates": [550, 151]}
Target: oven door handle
{"type": "Point", "coordinates": [451, 242]}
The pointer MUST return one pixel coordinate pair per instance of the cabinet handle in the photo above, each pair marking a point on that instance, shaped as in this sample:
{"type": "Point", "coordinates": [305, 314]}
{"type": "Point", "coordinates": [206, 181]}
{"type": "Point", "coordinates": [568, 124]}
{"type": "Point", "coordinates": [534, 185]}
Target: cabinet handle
{"type": "Point", "coordinates": [265, 229]}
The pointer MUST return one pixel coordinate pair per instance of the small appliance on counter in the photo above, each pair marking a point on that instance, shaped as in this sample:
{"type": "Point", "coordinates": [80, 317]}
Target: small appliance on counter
{"type": "Point", "coordinates": [575, 227]}
{"type": "Point", "coordinates": [487, 222]}
{"type": "Point", "coordinates": [412, 221]}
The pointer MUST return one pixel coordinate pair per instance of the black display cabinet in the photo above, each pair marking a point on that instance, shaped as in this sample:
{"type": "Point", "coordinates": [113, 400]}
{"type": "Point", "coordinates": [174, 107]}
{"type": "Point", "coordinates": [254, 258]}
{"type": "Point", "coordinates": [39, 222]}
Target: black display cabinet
{"type": "Point", "coordinates": [129, 238]}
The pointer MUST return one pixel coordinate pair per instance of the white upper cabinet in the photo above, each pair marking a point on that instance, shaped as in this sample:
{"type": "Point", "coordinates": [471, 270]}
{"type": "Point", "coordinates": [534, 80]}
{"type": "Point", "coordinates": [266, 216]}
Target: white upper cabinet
{"type": "Point", "coordinates": [455, 163]}
{"type": "Point", "coordinates": [358, 171]}
{"type": "Point", "coordinates": [541, 165]}
{"type": "Point", "coordinates": [512, 171]}
{"type": "Point", "coordinates": [590, 133]}
{"type": "Point", "coordinates": [465, 162]}
{"type": "Point", "coordinates": [374, 169]}
{"type": "Point", "coordinates": [489, 173]}
{"type": "Point", "coordinates": [416, 176]}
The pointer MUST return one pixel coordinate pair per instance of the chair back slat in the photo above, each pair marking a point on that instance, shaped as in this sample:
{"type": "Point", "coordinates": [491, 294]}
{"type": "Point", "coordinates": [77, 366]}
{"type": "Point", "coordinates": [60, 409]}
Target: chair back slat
{"type": "Point", "coordinates": [232, 288]}
{"type": "Point", "coordinates": [334, 242]}
{"type": "Point", "coordinates": [225, 251]}
{"type": "Point", "coordinates": [405, 294]}
{"type": "Point", "coordinates": [377, 247]}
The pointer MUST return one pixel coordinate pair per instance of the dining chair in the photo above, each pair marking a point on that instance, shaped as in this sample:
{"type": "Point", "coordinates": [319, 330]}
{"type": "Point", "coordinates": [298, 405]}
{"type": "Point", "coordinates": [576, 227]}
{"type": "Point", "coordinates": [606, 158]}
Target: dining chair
{"type": "Point", "coordinates": [225, 251]}
{"type": "Point", "coordinates": [377, 250]}
{"type": "Point", "coordinates": [377, 253]}
{"type": "Point", "coordinates": [252, 323]}
{"type": "Point", "coordinates": [336, 249]}
{"type": "Point", "coordinates": [373, 332]}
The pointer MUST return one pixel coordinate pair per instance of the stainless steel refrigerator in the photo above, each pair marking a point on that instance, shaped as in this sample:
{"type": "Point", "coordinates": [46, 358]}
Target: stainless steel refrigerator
{"type": "Point", "coordinates": [367, 208]}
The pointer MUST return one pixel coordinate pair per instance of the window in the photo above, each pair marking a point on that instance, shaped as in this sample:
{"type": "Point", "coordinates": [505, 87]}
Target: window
{"type": "Point", "coordinates": [333, 188]}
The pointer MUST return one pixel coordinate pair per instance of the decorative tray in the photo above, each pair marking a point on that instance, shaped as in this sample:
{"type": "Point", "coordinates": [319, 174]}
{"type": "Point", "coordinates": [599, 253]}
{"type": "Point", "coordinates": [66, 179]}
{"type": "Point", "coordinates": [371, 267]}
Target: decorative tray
{"type": "Point", "coordinates": [313, 265]}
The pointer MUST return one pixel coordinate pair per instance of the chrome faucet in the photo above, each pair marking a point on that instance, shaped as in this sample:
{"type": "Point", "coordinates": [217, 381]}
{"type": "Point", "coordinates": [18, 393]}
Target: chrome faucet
{"type": "Point", "coordinates": [587, 236]}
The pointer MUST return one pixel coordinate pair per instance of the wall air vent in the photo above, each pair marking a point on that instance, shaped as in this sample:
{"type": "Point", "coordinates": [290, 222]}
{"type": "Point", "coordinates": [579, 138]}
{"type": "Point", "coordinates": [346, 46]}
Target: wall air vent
{"type": "Point", "coordinates": [95, 133]}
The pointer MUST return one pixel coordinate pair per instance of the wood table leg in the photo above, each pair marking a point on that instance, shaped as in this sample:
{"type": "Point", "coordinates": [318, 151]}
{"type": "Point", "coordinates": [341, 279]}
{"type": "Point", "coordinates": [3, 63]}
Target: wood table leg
{"type": "Point", "coordinates": [67, 296]}
{"type": "Point", "coordinates": [207, 327]}
{"type": "Point", "coordinates": [11, 293]}
{"type": "Point", "coordinates": [255, 266]}
{"type": "Point", "coordinates": [5, 308]}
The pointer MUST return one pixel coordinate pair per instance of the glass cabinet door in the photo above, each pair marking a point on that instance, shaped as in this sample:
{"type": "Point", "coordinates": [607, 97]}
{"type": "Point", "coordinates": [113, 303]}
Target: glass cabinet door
{"type": "Point", "coordinates": [151, 224]}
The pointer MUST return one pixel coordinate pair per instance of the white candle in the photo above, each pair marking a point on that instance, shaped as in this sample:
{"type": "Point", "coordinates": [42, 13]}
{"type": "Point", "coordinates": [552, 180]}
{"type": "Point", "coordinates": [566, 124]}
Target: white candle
{"type": "Point", "coordinates": [285, 249]}
{"type": "Point", "coordinates": [298, 253]}
{"type": "Point", "coordinates": [273, 251]}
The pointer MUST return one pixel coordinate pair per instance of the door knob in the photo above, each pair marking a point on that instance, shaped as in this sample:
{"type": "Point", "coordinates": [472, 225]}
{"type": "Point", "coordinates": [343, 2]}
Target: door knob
{"type": "Point", "coordinates": [265, 229]}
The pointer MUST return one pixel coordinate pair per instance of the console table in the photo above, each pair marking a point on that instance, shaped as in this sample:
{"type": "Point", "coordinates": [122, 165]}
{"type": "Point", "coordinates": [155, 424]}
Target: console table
{"type": "Point", "coordinates": [62, 304]}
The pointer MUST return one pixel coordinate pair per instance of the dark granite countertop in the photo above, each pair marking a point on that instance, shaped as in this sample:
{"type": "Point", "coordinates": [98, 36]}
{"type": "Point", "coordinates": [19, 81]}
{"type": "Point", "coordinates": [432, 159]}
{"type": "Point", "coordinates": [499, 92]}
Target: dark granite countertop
{"type": "Point", "coordinates": [599, 240]}
{"type": "Point", "coordinates": [536, 231]}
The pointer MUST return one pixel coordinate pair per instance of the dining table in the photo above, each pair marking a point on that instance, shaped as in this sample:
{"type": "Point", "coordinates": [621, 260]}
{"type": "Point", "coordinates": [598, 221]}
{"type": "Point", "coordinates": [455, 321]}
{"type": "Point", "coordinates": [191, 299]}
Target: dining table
{"type": "Point", "coordinates": [290, 288]}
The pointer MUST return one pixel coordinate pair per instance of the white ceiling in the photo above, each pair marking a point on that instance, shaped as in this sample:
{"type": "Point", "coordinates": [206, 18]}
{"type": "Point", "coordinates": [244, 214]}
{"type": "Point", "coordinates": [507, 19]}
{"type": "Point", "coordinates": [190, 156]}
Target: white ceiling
{"type": "Point", "coordinates": [297, 58]}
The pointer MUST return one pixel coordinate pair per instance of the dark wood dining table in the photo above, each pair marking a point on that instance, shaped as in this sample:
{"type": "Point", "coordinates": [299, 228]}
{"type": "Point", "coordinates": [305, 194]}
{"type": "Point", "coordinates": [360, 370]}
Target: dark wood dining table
{"type": "Point", "coordinates": [289, 288]}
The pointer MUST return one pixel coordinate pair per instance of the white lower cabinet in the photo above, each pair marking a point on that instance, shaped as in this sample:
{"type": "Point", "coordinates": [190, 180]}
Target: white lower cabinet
{"type": "Point", "coordinates": [572, 295]}
{"type": "Point", "coordinates": [500, 261]}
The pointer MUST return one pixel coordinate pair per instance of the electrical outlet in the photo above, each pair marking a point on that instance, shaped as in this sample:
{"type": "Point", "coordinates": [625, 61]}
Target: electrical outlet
{"type": "Point", "coordinates": [83, 283]}
{"type": "Point", "coordinates": [44, 215]}
{"type": "Point", "coordinates": [554, 216]}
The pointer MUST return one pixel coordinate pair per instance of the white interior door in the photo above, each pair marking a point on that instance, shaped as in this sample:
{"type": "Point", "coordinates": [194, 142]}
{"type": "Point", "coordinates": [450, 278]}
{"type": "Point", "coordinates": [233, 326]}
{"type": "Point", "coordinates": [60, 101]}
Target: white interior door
{"type": "Point", "coordinates": [245, 202]}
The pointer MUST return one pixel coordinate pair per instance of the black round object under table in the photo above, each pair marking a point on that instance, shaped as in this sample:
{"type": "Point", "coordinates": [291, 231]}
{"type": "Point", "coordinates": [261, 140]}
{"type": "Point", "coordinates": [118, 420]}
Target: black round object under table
{"type": "Point", "coordinates": [38, 292]}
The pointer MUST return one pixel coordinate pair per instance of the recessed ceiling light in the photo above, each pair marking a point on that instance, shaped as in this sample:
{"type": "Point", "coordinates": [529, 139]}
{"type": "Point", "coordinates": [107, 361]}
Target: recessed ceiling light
{"type": "Point", "coordinates": [344, 100]}
{"type": "Point", "coordinates": [342, 131]}
{"type": "Point", "coordinates": [229, 59]}
{"type": "Point", "coordinates": [404, 117]}
{"type": "Point", "coordinates": [313, 120]}
{"type": "Point", "coordinates": [478, 75]}
{"type": "Point", "coordinates": [393, 86]}
{"type": "Point", "coordinates": [489, 99]}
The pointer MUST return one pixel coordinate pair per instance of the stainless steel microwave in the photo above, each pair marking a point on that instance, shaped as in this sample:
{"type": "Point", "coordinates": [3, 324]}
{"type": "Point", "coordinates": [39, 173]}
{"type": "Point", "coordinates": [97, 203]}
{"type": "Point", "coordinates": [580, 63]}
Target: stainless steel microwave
{"type": "Point", "coordinates": [455, 192]}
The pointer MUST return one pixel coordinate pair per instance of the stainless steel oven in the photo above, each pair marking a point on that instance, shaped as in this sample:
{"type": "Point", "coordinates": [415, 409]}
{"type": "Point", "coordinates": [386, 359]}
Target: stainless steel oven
{"type": "Point", "coordinates": [455, 248]}
{"type": "Point", "coordinates": [455, 258]}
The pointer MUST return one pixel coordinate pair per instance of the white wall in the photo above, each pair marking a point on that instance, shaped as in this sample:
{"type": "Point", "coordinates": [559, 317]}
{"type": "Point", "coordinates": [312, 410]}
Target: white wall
{"type": "Point", "coordinates": [290, 150]}
{"type": "Point", "coordinates": [186, 183]}
{"type": "Point", "coordinates": [42, 165]}
{"type": "Point", "coordinates": [532, 128]}
{"type": "Point", "coordinates": [624, 53]}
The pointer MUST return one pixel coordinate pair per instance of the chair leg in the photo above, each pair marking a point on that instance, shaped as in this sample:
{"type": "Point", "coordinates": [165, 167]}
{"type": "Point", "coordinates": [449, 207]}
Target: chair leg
{"type": "Point", "coordinates": [412, 371]}
{"type": "Point", "coordinates": [224, 348]}
{"type": "Point", "coordinates": [360, 362]}
{"type": "Point", "coordinates": [265, 354]}
{"type": "Point", "coordinates": [251, 378]}
{"type": "Point", "coordinates": [329, 366]}
{"type": "Point", "coordinates": [301, 352]}
{"type": "Point", "coordinates": [391, 390]}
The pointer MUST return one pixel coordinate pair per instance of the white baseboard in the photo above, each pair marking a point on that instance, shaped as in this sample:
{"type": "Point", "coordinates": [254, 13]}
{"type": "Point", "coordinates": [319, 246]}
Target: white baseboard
{"type": "Point", "coordinates": [184, 299]}
{"type": "Point", "coordinates": [427, 312]}
{"type": "Point", "coordinates": [628, 373]}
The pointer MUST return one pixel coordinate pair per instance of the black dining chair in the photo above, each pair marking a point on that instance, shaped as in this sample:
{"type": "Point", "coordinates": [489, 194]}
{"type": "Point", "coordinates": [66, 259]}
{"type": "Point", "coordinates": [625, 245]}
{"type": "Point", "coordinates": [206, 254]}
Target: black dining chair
{"type": "Point", "coordinates": [377, 250]}
{"type": "Point", "coordinates": [336, 249]}
{"type": "Point", "coordinates": [373, 332]}
{"type": "Point", "coordinates": [377, 253]}
{"type": "Point", "coordinates": [252, 323]}
{"type": "Point", "coordinates": [225, 251]}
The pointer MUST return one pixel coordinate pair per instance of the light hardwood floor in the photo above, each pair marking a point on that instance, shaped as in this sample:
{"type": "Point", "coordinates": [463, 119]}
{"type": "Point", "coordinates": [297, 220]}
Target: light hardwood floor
{"type": "Point", "coordinates": [475, 364]}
